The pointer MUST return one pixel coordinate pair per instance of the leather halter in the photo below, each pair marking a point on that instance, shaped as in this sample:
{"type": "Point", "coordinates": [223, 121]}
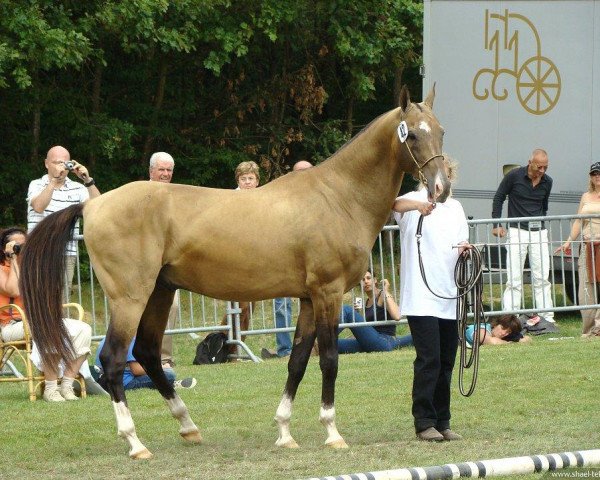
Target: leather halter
{"type": "Point", "coordinates": [421, 167]}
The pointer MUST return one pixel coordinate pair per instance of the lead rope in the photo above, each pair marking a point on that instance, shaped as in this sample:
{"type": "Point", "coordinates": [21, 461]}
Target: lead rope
{"type": "Point", "coordinates": [469, 284]}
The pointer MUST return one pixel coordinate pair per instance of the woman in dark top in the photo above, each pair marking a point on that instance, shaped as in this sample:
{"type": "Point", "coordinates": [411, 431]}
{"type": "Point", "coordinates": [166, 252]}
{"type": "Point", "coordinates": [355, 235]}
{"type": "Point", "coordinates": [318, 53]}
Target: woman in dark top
{"type": "Point", "coordinates": [380, 305]}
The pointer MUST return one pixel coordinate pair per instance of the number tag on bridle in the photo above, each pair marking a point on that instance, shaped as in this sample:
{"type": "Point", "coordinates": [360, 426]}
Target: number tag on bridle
{"type": "Point", "coordinates": [402, 131]}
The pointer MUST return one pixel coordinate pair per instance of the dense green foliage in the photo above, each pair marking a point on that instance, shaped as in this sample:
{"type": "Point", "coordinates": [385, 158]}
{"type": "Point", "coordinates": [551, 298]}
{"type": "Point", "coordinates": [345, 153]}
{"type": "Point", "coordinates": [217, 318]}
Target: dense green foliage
{"type": "Point", "coordinates": [213, 82]}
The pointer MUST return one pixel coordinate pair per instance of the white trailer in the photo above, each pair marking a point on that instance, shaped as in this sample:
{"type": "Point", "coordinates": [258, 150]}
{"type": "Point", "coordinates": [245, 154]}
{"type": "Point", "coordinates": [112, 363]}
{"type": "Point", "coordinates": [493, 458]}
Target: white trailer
{"type": "Point", "coordinates": [512, 76]}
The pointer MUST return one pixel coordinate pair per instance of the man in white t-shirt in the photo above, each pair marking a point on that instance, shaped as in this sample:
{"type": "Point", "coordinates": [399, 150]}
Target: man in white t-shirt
{"type": "Point", "coordinates": [55, 191]}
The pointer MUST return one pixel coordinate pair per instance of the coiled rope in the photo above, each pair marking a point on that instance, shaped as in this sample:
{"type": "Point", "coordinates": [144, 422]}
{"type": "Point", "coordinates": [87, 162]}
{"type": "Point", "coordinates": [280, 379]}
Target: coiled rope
{"type": "Point", "coordinates": [469, 284]}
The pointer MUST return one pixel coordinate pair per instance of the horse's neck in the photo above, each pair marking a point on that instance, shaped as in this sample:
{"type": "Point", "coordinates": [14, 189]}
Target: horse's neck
{"type": "Point", "coordinates": [369, 170]}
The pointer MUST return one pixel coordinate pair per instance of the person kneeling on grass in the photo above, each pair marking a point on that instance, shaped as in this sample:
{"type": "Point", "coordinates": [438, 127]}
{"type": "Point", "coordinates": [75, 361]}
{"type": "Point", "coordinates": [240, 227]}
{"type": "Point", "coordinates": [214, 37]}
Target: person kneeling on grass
{"type": "Point", "coordinates": [500, 330]}
{"type": "Point", "coordinates": [134, 375]}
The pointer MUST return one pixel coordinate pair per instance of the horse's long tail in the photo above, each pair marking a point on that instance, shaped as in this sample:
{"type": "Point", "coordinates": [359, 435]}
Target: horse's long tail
{"type": "Point", "coordinates": [42, 283]}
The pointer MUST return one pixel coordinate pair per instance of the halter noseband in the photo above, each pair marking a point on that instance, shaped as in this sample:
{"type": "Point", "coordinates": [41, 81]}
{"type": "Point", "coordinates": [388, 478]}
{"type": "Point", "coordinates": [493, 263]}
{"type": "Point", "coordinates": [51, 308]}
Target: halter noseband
{"type": "Point", "coordinates": [421, 167]}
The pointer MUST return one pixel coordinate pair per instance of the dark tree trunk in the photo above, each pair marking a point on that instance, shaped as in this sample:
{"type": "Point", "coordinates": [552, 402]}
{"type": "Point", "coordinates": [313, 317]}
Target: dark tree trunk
{"type": "Point", "coordinates": [36, 120]}
{"type": "Point", "coordinates": [158, 102]}
{"type": "Point", "coordinates": [397, 85]}
{"type": "Point", "coordinates": [350, 116]}
{"type": "Point", "coordinates": [96, 89]}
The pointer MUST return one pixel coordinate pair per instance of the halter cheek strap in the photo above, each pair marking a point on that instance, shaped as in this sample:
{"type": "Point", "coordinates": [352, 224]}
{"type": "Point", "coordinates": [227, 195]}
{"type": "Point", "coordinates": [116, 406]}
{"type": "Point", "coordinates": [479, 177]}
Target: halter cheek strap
{"type": "Point", "coordinates": [421, 167]}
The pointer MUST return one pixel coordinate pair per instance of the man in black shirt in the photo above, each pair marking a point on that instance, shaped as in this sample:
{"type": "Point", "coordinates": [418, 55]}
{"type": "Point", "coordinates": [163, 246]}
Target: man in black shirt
{"type": "Point", "coordinates": [528, 190]}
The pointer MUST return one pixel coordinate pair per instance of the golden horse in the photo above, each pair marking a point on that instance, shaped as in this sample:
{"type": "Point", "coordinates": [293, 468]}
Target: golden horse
{"type": "Point", "coordinates": [307, 234]}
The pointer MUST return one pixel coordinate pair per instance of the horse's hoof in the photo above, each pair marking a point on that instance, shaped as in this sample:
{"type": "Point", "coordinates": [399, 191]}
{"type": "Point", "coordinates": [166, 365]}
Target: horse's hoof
{"type": "Point", "coordinates": [141, 455]}
{"type": "Point", "coordinates": [337, 444]}
{"type": "Point", "coordinates": [291, 443]}
{"type": "Point", "coordinates": [192, 437]}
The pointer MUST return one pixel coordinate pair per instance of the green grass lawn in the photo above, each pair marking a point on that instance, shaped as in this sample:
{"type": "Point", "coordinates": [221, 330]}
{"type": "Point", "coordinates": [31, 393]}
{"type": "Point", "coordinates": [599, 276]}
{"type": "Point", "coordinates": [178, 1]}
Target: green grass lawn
{"type": "Point", "coordinates": [531, 399]}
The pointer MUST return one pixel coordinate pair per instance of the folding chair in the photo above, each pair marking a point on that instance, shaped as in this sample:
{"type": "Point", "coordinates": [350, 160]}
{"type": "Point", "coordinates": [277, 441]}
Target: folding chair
{"type": "Point", "coordinates": [20, 351]}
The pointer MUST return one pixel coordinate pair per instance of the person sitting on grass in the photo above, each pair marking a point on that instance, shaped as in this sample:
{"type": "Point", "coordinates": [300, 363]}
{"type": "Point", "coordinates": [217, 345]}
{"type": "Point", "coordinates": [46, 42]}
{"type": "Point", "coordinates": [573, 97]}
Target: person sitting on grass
{"type": "Point", "coordinates": [380, 305]}
{"type": "Point", "coordinates": [134, 375]}
{"type": "Point", "coordinates": [500, 330]}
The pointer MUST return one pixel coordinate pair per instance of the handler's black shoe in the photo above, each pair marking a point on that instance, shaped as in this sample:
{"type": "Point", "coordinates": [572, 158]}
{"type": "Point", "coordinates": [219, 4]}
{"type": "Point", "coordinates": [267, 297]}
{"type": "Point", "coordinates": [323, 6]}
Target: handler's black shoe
{"type": "Point", "coordinates": [430, 435]}
{"type": "Point", "coordinates": [449, 435]}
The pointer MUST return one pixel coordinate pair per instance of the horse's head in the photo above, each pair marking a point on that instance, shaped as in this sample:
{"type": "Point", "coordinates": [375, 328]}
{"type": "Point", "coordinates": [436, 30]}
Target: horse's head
{"type": "Point", "coordinates": [423, 144]}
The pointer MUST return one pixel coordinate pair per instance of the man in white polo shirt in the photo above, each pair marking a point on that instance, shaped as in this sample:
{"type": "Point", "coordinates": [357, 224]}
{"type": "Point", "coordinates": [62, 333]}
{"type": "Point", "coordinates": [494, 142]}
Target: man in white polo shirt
{"type": "Point", "coordinates": [161, 169]}
{"type": "Point", "coordinates": [55, 191]}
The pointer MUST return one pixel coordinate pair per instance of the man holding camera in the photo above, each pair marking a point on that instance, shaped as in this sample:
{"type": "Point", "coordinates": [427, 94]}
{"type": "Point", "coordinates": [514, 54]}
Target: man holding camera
{"type": "Point", "coordinates": [55, 191]}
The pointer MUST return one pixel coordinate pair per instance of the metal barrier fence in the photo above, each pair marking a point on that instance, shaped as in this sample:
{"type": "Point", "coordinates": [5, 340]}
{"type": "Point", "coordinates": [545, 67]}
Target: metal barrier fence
{"type": "Point", "coordinates": [198, 313]}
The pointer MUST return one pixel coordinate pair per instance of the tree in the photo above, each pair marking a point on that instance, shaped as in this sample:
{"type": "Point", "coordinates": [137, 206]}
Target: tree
{"type": "Point", "coordinates": [213, 82]}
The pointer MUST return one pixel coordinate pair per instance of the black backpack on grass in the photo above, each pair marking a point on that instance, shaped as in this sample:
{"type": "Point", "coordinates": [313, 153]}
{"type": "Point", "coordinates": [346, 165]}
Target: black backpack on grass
{"type": "Point", "coordinates": [213, 349]}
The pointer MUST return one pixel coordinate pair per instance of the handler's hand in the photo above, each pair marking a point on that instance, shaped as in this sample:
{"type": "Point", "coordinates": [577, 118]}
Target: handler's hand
{"type": "Point", "coordinates": [464, 247]}
{"type": "Point", "coordinates": [425, 208]}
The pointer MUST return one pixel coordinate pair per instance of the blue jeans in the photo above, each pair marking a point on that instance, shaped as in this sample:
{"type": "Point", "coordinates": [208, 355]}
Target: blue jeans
{"type": "Point", "coordinates": [367, 339]}
{"type": "Point", "coordinates": [144, 381]}
{"type": "Point", "coordinates": [283, 319]}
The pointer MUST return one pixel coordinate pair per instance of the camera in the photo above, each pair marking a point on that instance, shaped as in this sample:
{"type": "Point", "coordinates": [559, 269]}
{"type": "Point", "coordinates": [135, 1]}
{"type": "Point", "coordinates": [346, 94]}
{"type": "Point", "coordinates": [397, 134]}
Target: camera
{"type": "Point", "coordinates": [70, 165]}
{"type": "Point", "coordinates": [17, 248]}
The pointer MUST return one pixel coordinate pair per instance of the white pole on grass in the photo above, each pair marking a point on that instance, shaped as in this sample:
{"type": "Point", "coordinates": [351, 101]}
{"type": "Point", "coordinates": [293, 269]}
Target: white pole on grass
{"type": "Point", "coordinates": [483, 468]}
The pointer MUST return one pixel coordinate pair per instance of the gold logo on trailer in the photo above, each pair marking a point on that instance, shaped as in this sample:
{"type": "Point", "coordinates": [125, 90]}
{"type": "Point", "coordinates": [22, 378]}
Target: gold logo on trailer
{"type": "Point", "coordinates": [537, 79]}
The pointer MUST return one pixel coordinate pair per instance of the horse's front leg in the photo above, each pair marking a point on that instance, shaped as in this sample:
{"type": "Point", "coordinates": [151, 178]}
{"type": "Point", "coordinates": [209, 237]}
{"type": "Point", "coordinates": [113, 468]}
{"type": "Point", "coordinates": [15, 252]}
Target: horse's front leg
{"type": "Point", "coordinates": [327, 323]}
{"type": "Point", "coordinates": [304, 339]}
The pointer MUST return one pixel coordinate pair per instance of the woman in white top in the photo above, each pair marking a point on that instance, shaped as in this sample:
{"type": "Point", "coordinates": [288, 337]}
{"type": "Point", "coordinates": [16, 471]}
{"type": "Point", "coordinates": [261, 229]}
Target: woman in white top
{"type": "Point", "coordinates": [432, 320]}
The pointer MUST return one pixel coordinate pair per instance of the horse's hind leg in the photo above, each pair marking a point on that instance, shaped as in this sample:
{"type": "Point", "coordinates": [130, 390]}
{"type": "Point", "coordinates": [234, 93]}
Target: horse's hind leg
{"type": "Point", "coordinates": [112, 358]}
{"type": "Point", "coordinates": [304, 339]}
{"type": "Point", "coordinates": [147, 352]}
{"type": "Point", "coordinates": [327, 310]}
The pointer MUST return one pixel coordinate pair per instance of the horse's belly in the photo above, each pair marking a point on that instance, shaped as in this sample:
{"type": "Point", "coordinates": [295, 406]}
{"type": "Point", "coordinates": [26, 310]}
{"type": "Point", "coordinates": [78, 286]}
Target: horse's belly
{"type": "Point", "coordinates": [226, 281]}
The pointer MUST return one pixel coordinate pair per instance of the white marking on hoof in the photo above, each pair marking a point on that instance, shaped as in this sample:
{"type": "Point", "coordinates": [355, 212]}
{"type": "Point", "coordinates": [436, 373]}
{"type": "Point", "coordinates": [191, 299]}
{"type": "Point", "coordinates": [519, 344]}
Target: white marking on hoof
{"type": "Point", "coordinates": [188, 429]}
{"type": "Point", "coordinates": [327, 418]}
{"type": "Point", "coordinates": [126, 430]}
{"type": "Point", "coordinates": [282, 417]}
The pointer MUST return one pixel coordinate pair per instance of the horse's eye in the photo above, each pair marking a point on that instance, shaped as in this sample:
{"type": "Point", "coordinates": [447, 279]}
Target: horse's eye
{"type": "Point", "coordinates": [411, 136]}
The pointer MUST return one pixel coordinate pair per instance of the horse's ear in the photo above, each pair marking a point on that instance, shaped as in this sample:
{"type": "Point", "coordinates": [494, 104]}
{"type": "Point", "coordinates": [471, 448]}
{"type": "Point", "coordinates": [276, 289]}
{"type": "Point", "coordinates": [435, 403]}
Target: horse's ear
{"type": "Point", "coordinates": [430, 97]}
{"type": "Point", "coordinates": [404, 98]}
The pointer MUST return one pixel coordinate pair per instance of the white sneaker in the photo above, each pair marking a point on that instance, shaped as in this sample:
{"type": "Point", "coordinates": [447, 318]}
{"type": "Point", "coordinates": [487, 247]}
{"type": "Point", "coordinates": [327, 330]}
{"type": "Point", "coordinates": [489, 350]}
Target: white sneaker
{"type": "Point", "coordinates": [189, 382]}
{"type": "Point", "coordinates": [67, 393]}
{"type": "Point", "coordinates": [53, 396]}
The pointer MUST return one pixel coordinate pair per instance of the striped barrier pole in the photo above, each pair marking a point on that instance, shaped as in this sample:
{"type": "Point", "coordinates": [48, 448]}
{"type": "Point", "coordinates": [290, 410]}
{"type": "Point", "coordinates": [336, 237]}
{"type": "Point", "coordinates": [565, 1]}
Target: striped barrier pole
{"type": "Point", "coordinates": [483, 468]}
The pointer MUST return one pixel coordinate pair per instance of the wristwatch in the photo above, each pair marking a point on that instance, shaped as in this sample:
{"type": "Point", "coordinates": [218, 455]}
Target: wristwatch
{"type": "Point", "coordinates": [90, 183]}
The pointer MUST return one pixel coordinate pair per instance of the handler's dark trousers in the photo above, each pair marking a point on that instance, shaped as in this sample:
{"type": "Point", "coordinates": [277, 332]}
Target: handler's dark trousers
{"type": "Point", "coordinates": [436, 342]}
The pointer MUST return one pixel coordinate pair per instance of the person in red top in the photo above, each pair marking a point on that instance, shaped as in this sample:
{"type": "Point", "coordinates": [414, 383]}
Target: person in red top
{"type": "Point", "coordinates": [11, 325]}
